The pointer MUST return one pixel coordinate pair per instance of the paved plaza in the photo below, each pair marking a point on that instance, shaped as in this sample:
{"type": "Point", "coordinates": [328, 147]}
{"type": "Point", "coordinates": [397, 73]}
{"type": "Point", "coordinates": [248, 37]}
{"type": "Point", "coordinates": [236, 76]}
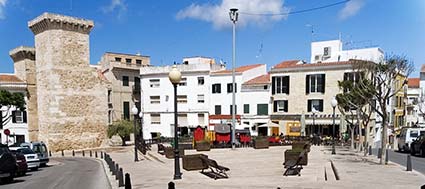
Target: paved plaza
{"type": "Point", "coordinates": [251, 168]}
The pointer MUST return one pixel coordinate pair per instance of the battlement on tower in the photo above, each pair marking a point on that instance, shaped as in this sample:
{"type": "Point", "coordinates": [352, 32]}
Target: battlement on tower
{"type": "Point", "coordinates": [50, 21]}
{"type": "Point", "coordinates": [22, 53]}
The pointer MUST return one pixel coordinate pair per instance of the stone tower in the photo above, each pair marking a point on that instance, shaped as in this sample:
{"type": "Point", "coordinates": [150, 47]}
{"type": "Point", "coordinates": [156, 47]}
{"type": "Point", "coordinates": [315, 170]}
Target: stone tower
{"type": "Point", "coordinates": [72, 100]}
{"type": "Point", "coordinates": [24, 63]}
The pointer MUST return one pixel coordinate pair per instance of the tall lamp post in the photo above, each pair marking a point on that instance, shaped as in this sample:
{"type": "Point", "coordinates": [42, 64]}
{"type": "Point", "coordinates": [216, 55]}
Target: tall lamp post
{"type": "Point", "coordinates": [234, 18]}
{"type": "Point", "coordinates": [141, 133]}
{"type": "Point", "coordinates": [135, 111]}
{"type": "Point", "coordinates": [334, 102]}
{"type": "Point", "coordinates": [175, 77]}
{"type": "Point", "coordinates": [314, 111]}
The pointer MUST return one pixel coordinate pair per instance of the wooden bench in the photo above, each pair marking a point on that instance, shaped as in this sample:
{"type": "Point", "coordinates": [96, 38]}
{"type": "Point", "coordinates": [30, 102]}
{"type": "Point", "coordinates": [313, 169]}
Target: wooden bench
{"type": "Point", "coordinates": [216, 170]}
{"type": "Point", "coordinates": [293, 167]}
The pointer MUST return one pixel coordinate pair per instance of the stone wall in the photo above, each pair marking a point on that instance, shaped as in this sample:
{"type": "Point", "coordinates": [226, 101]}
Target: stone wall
{"type": "Point", "coordinates": [72, 99]}
{"type": "Point", "coordinates": [24, 63]}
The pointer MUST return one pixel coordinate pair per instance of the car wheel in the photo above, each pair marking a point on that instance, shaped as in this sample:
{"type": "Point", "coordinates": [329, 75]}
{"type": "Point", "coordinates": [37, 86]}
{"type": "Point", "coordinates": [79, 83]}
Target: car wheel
{"type": "Point", "coordinates": [9, 179]}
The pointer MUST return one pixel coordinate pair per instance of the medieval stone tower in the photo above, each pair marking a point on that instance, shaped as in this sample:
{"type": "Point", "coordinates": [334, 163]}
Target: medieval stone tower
{"type": "Point", "coordinates": [71, 99]}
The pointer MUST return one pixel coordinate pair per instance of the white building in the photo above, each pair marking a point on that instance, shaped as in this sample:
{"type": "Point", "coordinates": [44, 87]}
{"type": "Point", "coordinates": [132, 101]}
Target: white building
{"type": "Point", "coordinates": [15, 120]}
{"type": "Point", "coordinates": [414, 95]}
{"type": "Point", "coordinates": [157, 94]}
{"type": "Point", "coordinates": [221, 94]}
{"type": "Point", "coordinates": [333, 51]}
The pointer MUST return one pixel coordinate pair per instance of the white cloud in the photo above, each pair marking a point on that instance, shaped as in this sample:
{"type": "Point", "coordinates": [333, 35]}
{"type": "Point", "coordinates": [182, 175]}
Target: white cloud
{"type": "Point", "coordinates": [2, 5]}
{"type": "Point", "coordinates": [351, 8]}
{"type": "Point", "coordinates": [218, 14]}
{"type": "Point", "coordinates": [115, 5]}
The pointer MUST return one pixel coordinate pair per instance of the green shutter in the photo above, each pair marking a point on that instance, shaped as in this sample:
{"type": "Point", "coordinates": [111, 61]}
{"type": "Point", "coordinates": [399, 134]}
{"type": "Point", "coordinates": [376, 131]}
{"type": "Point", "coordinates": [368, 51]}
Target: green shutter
{"type": "Point", "coordinates": [262, 109]}
{"type": "Point", "coordinates": [246, 108]}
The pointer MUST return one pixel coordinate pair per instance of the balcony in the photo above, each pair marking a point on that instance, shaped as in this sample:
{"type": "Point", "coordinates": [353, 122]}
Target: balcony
{"type": "Point", "coordinates": [122, 65]}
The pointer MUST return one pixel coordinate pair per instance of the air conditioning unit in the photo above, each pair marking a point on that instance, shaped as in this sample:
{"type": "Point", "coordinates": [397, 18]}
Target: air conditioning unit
{"type": "Point", "coordinates": [327, 52]}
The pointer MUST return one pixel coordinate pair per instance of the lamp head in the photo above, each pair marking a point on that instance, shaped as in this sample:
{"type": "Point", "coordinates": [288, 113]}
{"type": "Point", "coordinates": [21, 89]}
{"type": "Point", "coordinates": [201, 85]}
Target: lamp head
{"type": "Point", "coordinates": [141, 114]}
{"type": "Point", "coordinates": [334, 102]}
{"type": "Point", "coordinates": [175, 75]}
{"type": "Point", "coordinates": [134, 110]}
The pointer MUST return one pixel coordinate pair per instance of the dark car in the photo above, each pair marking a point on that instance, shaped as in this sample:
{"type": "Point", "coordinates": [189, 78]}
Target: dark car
{"type": "Point", "coordinates": [418, 146]}
{"type": "Point", "coordinates": [21, 162]}
{"type": "Point", "coordinates": [8, 165]}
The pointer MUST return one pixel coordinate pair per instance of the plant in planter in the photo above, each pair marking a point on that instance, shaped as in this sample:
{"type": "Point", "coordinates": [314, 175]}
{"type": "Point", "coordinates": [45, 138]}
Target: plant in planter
{"type": "Point", "coordinates": [261, 142]}
{"type": "Point", "coordinates": [203, 145]}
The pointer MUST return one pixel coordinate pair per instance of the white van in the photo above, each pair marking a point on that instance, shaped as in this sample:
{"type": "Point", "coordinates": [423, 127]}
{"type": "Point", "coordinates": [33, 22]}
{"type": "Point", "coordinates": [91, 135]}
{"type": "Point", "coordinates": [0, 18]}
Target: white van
{"type": "Point", "coordinates": [407, 135]}
{"type": "Point", "coordinates": [41, 149]}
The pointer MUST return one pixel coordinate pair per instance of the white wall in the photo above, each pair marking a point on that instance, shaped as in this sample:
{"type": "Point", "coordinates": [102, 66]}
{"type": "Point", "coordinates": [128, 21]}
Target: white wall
{"type": "Point", "coordinates": [224, 98]}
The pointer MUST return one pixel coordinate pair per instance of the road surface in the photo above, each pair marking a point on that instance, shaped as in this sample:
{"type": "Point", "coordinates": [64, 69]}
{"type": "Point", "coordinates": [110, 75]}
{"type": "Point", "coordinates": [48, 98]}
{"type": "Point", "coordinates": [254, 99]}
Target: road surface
{"type": "Point", "coordinates": [65, 173]}
{"type": "Point", "coordinates": [418, 163]}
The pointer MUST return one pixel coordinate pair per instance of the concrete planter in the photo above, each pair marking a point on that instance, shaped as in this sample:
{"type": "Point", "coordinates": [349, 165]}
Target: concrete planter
{"type": "Point", "coordinates": [203, 146]}
{"type": "Point", "coordinates": [194, 162]}
{"type": "Point", "coordinates": [169, 152]}
{"type": "Point", "coordinates": [261, 143]}
{"type": "Point", "coordinates": [301, 145]}
{"type": "Point", "coordinates": [293, 155]}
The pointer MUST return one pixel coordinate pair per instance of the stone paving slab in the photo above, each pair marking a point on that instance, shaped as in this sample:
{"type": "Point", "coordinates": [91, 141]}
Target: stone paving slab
{"type": "Point", "coordinates": [250, 168]}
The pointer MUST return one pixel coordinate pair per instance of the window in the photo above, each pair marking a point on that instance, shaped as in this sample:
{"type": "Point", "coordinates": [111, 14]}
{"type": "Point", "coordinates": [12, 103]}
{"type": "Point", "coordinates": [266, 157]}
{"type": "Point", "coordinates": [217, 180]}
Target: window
{"type": "Point", "coordinates": [110, 116]}
{"type": "Point", "coordinates": [137, 83]}
{"type": "Point", "coordinates": [126, 110]}
{"type": "Point", "coordinates": [316, 104]}
{"type": "Point", "coordinates": [201, 98]}
{"type": "Point", "coordinates": [128, 60]}
{"type": "Point", "coordinates": [155, 99]}
{"type": "Point", "coordinates": [154, 83]}
{"type": "Point", "coordinates": [265, 87]}
{"type": "Point", "coordinates": [280, 106]}
{"type": "Point", "coordinates": [138, 62]}
{"type": "Point", "coordinates": [262, 109]}
{"type": "Point", "coordinates": [155, 118]}
{"type": "Point", "coordinates": [201, 81]}
{"type": "Point", "coordinates": [327, 51]}
{"type": "Point", "coordinates": [182, 99]}
{"type": "Point", "coordinates": [315, 83]}
{"type": "Point", "coordinates": [124, 80]}
{"type": "Point", "coordinates": [201, 119]}
{"type": "Point", "coordinates": [229, 88]}
{"type": "Point", "coordinates": [109, 96]}
{"type": "Point", "coordinates": [217, 110]}
{"type": "Point", "coordinates": [246, 108]}
{"type": "Point", "coordinates": [183, 81]}
{"type": "Point", "coordinates": [280, 85]}
{"type": "Point", "coordinates": [117, 59]}
{"type": "Point", "coordinates": [216, 88]}
{"type": "Point", "coordinates": [19, 116]}
{"type": "Point", "coordinates": [182, 120]}
{"type": "Point", "coordinates": [236, 109]}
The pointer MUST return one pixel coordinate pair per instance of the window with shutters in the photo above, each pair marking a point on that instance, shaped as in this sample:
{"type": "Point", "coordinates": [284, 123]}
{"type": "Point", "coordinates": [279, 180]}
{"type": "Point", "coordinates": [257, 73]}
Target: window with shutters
{"type": "Point", "coordinates": [126, 110]}
{"type": "Point", "coordinates": [201, 81]}
{"type": "Point", "coordinates": [125, 81]}
{"type": "Point", "coordinates": [229, 88]}
{"type": "Point", "coordinates": [217, 109]}
{"type": "Point", "coordinates": [316, 104]}
{"type": "Point", "coordinates": [138, 62]}
{"type": "Point", "coordinates": [182, 99]}
{"type": "Point", "coordinates": [315, 83]}
{"type": "Point", "coordinates": [155, 118]}
{"type": "Point", "coordinates": [216, 88]}
{"type": "Point", "coordinates": [117, 59]}
{"type": "Point", "coordinates": [154, 83]}
{"type": "Point", "coordinates": [280, 84]}
{"type": "Point", "coordinates": [183, 81]}
{"type": "Point", "coordinates": [19, 116]}
{"type": "Point", "coordinates": [155, 99]}
{"type": "Point", "coordinates": [280, 106]}
{"type": "Point", "coordinates": [262, 109]}
{"type": "Point", "coordinates": [128, 60]}
{"type": "Point", "coordinates": [201, 98]}
{"type": "Point", "coordinates": [246, 108]}
{"type": "Point", "coordinates": [236, 109]}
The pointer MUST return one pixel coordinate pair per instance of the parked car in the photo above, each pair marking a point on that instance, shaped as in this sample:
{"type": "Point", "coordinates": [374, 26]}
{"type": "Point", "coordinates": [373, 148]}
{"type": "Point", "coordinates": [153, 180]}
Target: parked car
{"type": "Point", "coordinates": [41, 149]}
{"type": "Point", "coordinates": [418, 146]}
{"type": "Point", "coordinates": [30, 156]}
{"type": "Point", "coordinates": [21, 162]}
{"type": "Point", "coordinates": [8, 165]}
{"type": "Point", "coordinates": [407, 135]}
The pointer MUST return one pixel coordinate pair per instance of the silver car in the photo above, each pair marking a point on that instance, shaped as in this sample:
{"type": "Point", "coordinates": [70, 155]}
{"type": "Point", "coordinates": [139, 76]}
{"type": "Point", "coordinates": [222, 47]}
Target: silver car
{"type": "Point", "coordinates": [41, 149]}
{"type": "Point", "coordinates": [30, 156]}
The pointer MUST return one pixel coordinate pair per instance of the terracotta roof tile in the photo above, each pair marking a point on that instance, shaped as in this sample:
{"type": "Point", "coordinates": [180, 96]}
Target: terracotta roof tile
{"type": "Point", "coordinates": [413, 82]}
{"type": "Point", "coordinates": [293, 64]}
{"type": "Point", "coordinates": [287, 63]}
{"type": "Point", "coordinates": [263, 79]}
{"type": "Point", "coordinates": [239, 69]}
{"type": "Point", "coordinates": [10, 79]}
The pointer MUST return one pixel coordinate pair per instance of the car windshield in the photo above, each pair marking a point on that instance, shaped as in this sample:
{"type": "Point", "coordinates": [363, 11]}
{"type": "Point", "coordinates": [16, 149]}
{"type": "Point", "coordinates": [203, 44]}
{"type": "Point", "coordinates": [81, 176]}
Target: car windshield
{"type": "Point", "coordinates": [37, 148]}
{"type": "Point", "coordinates": [414, 133]}
{"type": "Point", "coordinates": [25, 151]}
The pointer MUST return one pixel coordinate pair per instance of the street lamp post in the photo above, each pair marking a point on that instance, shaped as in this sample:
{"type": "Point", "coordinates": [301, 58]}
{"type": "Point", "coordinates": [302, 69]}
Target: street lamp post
{"type": "Point", "coordinates": [314, 111]}
{"type": "Point", "coordinates": [334, 102]}
{"type": "Point", "coordinates": [234, 18]}
{"type": "Point", "coordinates": [134, 110]}
{"type": "Point", "coordinates": [141, 133]}
{"type": "Point", "coordinates": [175, 77]}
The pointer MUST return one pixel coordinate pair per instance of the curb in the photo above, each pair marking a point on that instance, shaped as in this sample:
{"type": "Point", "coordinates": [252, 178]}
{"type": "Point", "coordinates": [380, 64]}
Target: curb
{"type": "Point", "coordinates": [112, 182]}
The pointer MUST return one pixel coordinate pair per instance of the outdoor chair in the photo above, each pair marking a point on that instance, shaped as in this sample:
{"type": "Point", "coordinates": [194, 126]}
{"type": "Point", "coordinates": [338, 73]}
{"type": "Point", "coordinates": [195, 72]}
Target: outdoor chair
{"type": "Point", "coordinates": [217, 171]}
{"type": "Point", "coordinates": [293, 167]}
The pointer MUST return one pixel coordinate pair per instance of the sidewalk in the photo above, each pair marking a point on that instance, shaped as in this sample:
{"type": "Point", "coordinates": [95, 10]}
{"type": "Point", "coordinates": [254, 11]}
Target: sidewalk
{"type": "Point", "coordinates": [250, 168]}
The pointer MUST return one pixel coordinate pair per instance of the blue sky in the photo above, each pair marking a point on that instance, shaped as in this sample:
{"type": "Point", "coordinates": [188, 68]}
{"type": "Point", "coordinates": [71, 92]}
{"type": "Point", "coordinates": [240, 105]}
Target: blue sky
{"type": "Point", "coordinates": [170, 30]}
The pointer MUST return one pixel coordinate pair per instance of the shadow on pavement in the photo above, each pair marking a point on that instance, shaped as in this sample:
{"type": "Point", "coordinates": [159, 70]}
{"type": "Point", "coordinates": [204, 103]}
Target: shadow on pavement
{"type": "Point", "coordinates": [13, 182]}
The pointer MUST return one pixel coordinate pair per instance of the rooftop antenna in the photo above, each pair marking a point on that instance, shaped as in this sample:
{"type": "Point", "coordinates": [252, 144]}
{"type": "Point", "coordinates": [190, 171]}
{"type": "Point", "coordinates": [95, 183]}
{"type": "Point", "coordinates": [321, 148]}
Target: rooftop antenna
{"type": "Point", "coordinates": [312, 31]}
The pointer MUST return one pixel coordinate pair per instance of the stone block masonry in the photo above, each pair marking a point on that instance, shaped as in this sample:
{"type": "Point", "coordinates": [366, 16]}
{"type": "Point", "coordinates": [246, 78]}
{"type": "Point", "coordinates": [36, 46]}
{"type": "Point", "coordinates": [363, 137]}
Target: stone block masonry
{"type": "Point", "coordinates": [71, 99]}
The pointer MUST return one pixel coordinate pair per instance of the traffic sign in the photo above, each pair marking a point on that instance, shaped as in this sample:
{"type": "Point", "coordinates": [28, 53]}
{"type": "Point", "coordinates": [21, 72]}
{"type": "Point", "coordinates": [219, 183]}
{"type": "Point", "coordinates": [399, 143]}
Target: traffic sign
{"type": "Point", "coordinates": [6, 132]}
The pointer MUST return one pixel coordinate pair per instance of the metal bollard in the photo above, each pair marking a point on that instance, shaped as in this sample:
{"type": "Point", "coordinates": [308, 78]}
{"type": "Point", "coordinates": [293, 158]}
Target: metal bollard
{"type": "Point", "coordinates": [379, 153]}
{"type": "Point", "coordinates": [84, 154]}
{"type": "Point", "coordinates": [62, 153]}
{"type": "Point", "coordinates": [113, 168]}
{"type": "Point", "coordinates": [95, 154]}
{"type": "Point", "coordinates": [90, 154]}
{"type": "Point", "coordinates": [409, 163]}
{"type": "Point", "coordinates": [117, 170]}
{"type": "Point", "coordinates": [101, 155]}
{"type": "Point", "coordinates": [120, 178]}
{"type": "Point", "coordinates": [370, 150]}
{"type": "Point", "coordinates": [171, 185]}
{"type": "Point", "coordinates": [386, 156]}
{"type": "Point", "coordinates": [50, 153]}
{"type": "Point", "coordinates": [73, 153]}
{"type": "Point", "coordinates": [127, 181]}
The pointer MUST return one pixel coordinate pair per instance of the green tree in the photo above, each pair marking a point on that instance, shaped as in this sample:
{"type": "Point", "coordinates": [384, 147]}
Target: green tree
{"type": "Point", "coordinates": [122, 128]}
{"type": "Point", "coordinates": [7, 101]}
